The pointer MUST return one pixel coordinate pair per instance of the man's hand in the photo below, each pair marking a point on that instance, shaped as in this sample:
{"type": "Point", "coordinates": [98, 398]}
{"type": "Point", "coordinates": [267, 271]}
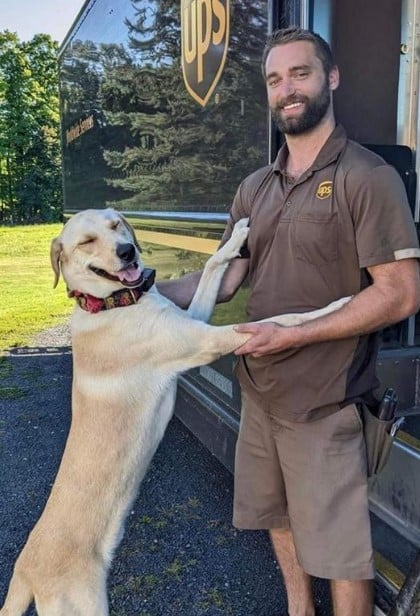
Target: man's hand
{"type": "Point", "coordinates": [393, 296]}
{"type": "Point", "coordinates": [267, 338]}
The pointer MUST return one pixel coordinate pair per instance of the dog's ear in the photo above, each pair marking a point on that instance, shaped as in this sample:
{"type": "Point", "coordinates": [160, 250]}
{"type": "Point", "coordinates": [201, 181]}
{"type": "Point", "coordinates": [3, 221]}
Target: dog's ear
{"type": "Point", "coordinates": [131, 230]}
{"type": "Point", "coordinates": [55, 252]}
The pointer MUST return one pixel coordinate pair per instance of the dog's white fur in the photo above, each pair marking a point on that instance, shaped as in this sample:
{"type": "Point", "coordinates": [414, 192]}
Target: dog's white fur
{"type": "Point", "coordinates": [126, 363]}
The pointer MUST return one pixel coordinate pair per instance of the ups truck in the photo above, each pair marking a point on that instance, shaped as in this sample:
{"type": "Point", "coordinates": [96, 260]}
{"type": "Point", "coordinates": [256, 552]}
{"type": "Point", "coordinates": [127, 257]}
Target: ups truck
{"type": "Point", "coordinates": [164, 112]}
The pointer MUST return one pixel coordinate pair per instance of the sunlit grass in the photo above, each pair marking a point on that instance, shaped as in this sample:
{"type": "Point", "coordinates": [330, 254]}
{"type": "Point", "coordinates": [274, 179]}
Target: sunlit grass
{"type": "Point", "coordinates": [173, 263]}
{"type": "Point", "coordinates": [28, 301]}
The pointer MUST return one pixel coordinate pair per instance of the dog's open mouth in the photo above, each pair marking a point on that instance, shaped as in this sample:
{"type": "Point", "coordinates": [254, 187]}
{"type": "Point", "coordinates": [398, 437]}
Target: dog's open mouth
{"type": "Point", "coordinates": [131, 276]}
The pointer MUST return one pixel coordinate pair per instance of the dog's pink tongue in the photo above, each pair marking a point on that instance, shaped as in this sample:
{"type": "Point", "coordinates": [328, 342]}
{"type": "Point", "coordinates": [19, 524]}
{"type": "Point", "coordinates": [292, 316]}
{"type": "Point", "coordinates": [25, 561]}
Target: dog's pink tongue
{"type": "Point", "coordinates": [129, 275]}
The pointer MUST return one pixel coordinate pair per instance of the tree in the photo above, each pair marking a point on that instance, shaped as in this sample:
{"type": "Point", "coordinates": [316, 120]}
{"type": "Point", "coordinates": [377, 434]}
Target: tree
{"type": "Point", "coordinates": [151, 145]}
{"type": "Point", "coordinates": [183, 154]}
{"type": "Point", "coordinates": [30, 169]}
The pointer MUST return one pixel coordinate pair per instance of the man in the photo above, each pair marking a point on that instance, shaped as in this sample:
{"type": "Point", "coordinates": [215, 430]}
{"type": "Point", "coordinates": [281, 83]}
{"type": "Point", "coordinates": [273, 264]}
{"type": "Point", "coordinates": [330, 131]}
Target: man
{"type": "Point", "coordinates": [327, 219]}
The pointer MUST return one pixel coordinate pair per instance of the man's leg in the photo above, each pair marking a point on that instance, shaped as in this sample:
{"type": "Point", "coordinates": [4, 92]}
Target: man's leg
{"type": "Point", "coordinates": [324, 471]}
{"type": "Point", "coordinates": [298, 583]}
{"type": "Point", "coordinates": [352, 598]}
{"type": "Point", "coordinates": [259, 496]}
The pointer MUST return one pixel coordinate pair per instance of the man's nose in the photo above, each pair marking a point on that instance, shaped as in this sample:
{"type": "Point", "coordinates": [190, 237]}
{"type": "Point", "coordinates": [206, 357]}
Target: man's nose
{"type": "Point", "coordinates": [286, 88]}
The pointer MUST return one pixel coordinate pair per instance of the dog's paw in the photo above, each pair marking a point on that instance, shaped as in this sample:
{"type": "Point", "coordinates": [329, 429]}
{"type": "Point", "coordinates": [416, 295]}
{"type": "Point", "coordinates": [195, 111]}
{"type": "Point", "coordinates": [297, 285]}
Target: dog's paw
{"type": "Point", "coordinates": [233, 246]}
{"type": "Point", "coordinates": [242, 222]}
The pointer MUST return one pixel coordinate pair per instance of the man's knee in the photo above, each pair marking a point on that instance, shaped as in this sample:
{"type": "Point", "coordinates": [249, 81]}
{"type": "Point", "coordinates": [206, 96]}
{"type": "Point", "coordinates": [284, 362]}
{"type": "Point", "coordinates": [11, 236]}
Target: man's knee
{"type": "Point", "coordinates": [282, 540]}
{"type": "Point", "coordinates": [281, 533]}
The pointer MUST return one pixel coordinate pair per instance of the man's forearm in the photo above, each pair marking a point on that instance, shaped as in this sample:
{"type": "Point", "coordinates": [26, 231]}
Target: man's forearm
{"type": "Point", "coordinates": [181, 290]}
{"type": "Point", "coordinates": [360, 316]}
{"type": "Point", "coordinates": [385, 302]}
{"type": "Point", "coordinates": [368, 311]}
{"type": "Point", "coordinates": [394, 296]}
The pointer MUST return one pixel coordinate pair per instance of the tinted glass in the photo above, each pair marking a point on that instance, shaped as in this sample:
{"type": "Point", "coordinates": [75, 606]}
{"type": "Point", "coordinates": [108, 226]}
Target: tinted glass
{"type": "Point", "coordinates": [133, 137]}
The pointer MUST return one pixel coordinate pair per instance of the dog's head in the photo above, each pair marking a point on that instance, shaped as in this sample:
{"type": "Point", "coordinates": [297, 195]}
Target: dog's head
{"type": "Point", "coordinates": [97, 253]}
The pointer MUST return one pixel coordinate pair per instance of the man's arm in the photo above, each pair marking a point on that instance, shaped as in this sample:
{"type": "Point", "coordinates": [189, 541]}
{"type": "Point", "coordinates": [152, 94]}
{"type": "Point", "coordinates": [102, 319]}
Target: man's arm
{"type": "Point", "coordinates": [393, 296]}
{"type": "Point", "coordinates": [181, 291]}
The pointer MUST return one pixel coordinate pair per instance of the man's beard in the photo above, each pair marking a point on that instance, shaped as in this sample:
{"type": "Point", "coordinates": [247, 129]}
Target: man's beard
{"type": "Point", "coordinates": [316, 108]}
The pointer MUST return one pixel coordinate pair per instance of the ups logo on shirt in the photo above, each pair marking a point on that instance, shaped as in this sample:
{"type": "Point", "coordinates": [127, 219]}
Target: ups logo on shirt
{"type": "Point", "coordinates": [324, 190]}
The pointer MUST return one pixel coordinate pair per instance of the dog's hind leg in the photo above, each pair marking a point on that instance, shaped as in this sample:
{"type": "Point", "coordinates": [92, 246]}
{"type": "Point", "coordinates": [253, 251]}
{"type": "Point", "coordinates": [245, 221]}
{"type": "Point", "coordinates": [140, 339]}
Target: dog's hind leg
{"type": "Point", "coordinates": [19, 596]}
{"type": "Point", "coordinates": [78, 600]}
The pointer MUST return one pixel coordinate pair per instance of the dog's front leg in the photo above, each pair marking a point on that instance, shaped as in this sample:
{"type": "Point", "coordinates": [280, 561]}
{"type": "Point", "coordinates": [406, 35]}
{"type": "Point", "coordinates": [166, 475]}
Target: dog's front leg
{"type": "Point", "coordinates": [297, 318]}
{"type": "Point", "coordinates": [206, 343]}
{"type": "Point", "coordinates": [204, 299]}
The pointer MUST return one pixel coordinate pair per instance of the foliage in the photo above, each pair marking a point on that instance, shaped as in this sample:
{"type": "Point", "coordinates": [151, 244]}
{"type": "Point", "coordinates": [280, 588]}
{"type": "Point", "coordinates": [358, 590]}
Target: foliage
{"type": "Point", "coordinates": [30, 304]}
{"type": "Point", "coordinates": [152, 146]}
{"type": "Point", "coordinates": [30, 164]}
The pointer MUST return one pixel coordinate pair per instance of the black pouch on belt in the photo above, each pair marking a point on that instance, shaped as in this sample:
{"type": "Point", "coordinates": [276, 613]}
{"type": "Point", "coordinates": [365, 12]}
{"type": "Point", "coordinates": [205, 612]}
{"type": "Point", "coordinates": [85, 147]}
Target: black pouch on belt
{"type": "Point", "coordinates": [380, 428]}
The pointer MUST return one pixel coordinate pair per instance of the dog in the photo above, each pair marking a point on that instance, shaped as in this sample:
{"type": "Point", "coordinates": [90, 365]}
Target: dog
{"type": "Point", "coordinates": [129, 345]}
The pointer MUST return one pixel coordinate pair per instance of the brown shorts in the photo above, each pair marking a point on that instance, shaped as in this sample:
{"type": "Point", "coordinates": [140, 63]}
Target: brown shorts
{"type": "Point", "coordinates": [310, 477]}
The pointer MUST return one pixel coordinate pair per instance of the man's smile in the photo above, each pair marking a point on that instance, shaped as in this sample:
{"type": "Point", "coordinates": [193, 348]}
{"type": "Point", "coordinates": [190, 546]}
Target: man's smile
{"type": "Point", "coordinates": [291, 106]}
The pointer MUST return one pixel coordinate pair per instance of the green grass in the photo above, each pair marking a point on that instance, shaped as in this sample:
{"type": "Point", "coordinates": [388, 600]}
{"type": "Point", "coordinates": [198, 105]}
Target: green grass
{"type": "Point", "coordinates": [172, 263]}
{"type": "Point", "coordinates": [11, 393]}
{"type": "Point", "coordinates": [28, 301]}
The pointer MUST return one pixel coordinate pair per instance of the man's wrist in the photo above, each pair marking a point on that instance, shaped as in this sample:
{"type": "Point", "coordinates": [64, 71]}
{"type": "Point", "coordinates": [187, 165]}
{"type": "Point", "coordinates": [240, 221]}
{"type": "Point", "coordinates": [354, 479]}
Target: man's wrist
{"type": "Point", "coordinates": [290, 336]}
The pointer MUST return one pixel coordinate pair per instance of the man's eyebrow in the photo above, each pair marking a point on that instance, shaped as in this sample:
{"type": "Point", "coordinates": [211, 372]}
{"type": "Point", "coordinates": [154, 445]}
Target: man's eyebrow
{"type": "Point", "coordinates": [301, 67]}
{"type": "Point", "coordinates": [292, 69]}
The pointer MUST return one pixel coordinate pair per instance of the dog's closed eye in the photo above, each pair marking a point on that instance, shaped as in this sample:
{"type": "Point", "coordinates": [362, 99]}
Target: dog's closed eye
{"type": "Point", "coordinates": [87, 240]}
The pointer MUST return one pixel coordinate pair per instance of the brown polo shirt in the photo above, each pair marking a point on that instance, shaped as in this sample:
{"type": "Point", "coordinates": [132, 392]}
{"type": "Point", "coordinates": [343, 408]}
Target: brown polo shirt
{"type": "Point", "coordinates": [310, 242]}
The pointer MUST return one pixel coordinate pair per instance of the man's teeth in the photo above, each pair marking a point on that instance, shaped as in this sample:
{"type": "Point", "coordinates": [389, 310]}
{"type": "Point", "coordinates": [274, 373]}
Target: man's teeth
{"type": "Point", "coordinates": [292, 106]}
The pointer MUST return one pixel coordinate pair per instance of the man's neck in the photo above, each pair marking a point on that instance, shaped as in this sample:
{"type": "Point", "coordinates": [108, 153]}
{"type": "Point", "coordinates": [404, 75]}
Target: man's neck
{"type": "Point", "coordinates": [303, 149]}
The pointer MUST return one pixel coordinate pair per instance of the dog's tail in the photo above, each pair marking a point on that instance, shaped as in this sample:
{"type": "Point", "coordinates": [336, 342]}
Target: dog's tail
{"type": "Point", "coordinates": [19, 596]}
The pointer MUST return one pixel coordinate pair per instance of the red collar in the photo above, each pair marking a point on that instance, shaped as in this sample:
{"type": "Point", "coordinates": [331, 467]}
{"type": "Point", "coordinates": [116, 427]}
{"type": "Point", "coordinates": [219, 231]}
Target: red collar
{"type": "Point", "coordinates": [124, 297]}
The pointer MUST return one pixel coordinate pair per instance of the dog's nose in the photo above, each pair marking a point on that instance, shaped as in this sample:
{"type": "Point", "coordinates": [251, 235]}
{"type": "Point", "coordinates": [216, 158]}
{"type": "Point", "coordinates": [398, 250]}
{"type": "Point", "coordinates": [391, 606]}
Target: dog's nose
{"type": "Point", "coordinates": [126, 252]}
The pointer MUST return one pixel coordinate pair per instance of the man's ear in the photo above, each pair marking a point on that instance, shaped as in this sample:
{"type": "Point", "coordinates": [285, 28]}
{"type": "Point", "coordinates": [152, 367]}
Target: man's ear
{"type": "Point", "coordinates": [55, 252]}
{"type": "Point", "coordinates": [334, 78]}
{"type": "Point", "coordinates": [131, 230]}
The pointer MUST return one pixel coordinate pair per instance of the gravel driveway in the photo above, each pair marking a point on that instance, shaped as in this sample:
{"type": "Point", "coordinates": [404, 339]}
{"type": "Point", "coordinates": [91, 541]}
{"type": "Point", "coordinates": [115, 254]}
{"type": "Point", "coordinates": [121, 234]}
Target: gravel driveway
{"type": "Point", "coordinates": [180, 553]}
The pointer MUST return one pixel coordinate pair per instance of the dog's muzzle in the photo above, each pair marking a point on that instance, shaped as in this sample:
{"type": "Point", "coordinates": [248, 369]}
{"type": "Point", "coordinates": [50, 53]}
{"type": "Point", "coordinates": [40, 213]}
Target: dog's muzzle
{"type": "Point", "coordinates": [129, 276]}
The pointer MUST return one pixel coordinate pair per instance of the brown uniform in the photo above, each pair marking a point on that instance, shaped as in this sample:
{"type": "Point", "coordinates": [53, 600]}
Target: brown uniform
{"type": "Point", "coordinates": [310, 243]}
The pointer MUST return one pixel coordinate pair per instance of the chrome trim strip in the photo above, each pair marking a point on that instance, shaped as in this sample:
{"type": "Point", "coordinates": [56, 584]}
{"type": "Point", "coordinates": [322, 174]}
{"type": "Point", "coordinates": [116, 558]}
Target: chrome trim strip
{"type": "Point", "coordinates": [408, 444]}
{"type": "Point", "coordinates": [408, 531]}
{"type": "Point", "coordinates": [176, 216]}
{"type": "Point", "coordinates": [180, 216]}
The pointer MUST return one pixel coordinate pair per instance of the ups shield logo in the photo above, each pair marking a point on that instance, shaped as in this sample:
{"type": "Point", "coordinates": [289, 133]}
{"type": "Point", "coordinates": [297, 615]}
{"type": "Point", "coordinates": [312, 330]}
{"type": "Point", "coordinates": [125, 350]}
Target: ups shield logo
{"type": "Point", "coordinates": [324, 190]}
{"type": "Point", "coordinates": [204, 39]}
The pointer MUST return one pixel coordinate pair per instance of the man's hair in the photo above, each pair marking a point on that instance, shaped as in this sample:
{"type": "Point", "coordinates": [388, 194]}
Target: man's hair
{"type": "Point", "coordinates": [293, 34]}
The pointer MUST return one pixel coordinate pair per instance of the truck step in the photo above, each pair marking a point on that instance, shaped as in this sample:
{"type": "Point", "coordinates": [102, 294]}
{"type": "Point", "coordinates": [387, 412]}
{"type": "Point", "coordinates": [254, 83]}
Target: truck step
{"type": "Point", "coordinates": [394, 555]}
